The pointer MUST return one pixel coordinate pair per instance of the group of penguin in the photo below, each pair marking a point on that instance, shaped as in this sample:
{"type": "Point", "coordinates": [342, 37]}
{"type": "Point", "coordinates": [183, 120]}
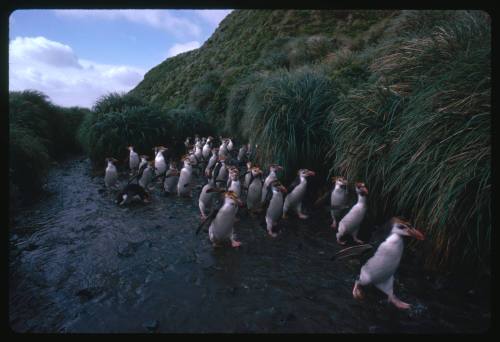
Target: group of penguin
{"type": "Point", "coordinates": [221, 197]}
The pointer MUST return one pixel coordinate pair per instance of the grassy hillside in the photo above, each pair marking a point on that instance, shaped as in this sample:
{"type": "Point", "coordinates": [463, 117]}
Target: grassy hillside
{"type": "Point", "coordinates": [398, 99]}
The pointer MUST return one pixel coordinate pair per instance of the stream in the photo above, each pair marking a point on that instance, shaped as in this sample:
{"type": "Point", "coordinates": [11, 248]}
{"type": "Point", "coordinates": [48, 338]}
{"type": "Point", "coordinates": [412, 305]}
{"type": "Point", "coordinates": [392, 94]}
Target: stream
{"type": "Point", "coordinates": [79, 263]}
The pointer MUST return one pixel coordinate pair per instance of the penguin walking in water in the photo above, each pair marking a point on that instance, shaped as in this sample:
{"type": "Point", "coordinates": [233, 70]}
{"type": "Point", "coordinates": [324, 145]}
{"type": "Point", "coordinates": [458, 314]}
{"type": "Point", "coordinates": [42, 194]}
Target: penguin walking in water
{"type": "Point", "coordinates": [211, 162]}
{"type": "Point", "coordinates": [267, 182]}
{"type": "Point", "coordinates": [132, 192]}
{"type": "Point", "coordinates": [185, 179]}
{"type": "Point", "coordinates": [147, 175]}
{"type": "Point", "coordinates": [384, 258]}
{"type": "Point", "coordinates": [275, 209]}
{"type": "Point", "coordinates": [160, 162]}
{"type": "Point", "coordinates": [221, 229]}
{"type": "Point", "coordinates": [254, 189]}
{"type": "Point", "coordinates": [294, 198]}
{"type": "Point", "coordinates": [133, 161]}
{"type": "Point", "coordinates": [338, 199]}
{"type": "Point", "coordinates": [350, 223]}
{"type": "Point", "coordinates": [171, 179]}
{"type": "Point", "coordinates": [111, 175]}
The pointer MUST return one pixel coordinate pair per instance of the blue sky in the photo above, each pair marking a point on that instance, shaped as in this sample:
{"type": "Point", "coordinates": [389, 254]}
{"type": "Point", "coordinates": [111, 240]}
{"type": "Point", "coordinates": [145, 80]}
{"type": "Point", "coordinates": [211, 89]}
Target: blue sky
{"type": "Point", "coordinates": [75, 56]}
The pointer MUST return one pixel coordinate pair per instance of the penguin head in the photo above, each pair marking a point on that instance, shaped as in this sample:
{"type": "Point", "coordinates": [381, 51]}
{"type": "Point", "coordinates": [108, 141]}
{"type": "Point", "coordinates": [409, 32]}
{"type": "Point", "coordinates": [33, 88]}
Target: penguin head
{"type": "Point", "coordinates": [256, 171]}
{"type": "Point", "coordinates": [306, 173]}
{"type": "Point", "coordinates": [249, 165]}
{"type": "Point", "coordinates": [145, 157]}
{"type": "Point", "coordinates": [233, 198]}
{"type": "Point", "coordinates": [277, 186]}
{"type": "Point", "coordinates": [130, 148]}
{"type": "Point", "coordinates": [275, 168]}
{"type": "Point", "coordinates": [340, 182]}
{"type": "Point", "coordinates": [404, 228]}
{"type": "Point", "coordinates": [361, 189]}
{"type": "Point", "coordinates": [111, 160]}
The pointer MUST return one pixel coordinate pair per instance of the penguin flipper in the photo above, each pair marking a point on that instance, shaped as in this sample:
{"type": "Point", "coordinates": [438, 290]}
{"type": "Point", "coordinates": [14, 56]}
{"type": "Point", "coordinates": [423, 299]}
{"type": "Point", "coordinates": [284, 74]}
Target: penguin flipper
{"type": "Point", "coordinates": [293, 185]}
{"type": "Point", "coordinates": [209, 219]}
{"type": "Point", "coordinates": [354, 251]}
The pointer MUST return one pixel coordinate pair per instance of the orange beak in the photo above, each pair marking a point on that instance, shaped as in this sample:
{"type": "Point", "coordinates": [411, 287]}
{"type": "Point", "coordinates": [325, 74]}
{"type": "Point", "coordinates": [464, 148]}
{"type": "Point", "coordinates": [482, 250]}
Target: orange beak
{"type": "Point", "coordinates": [417, 234]}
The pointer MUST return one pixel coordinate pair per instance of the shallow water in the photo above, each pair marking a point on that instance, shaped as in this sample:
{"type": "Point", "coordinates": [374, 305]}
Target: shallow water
{"type": "Point", "coordinates": [80, 263]}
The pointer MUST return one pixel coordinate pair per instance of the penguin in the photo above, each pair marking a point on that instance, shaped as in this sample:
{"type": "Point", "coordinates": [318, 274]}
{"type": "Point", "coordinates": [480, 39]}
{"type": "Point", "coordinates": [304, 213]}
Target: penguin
{"type": "Point", "coordinates": [198, 151]}
{"type": "Point", "coordinates": [187, 142]}
{"type": "Point", "coordinates": [223, 152]}
{"type": "Point", "coordinates": [144, 162]}
{"type": "Point", "coordinates": [338, 199]}
{"type": "Point", "coordinates": [230, 145]}
{"type": "Point", "coordinates": [350, 223]}
{"type": "Point", "coordinates": [206, 148]}
{"type": "Point", "coordinates": [133, 160]}
{"type": "Point", "coordinates": [242, 154]}
{"type": "Point", "coordinates": [221, 229]}
{"type": "Point", "coordinates": [294, 199]}
{"type": "Point", "coordinates": [111, 175]}
{"type": "Point", "coordinates": [269, 179]}
{"type": "Point", "coordinates": [211, 162]}
{"type": "Point", "coordinates": [254, 189]}
{"type": "Point", "coordinates": [220, 171]}
{"type": "Point", "coordinates": [206, 199]}
{"type": "Point", "coordinates": [132, 192]}
{"type": "Point", "coordinates": [147, 175]}
{"type": "Point", "coordinates": [160, 162]}
{"type": "Point", "coordinates": [171, 179]}
{"type": "Point", "coordinates": [185, 178]}
{"type": "Point", "coordinates": [275, 209]}
{"type": "Point", "coordinates": [248, 175]}
{"type": "Point", "coordinates": [233, 183]}
{"type": "Point", "coordinates": [384, 254]}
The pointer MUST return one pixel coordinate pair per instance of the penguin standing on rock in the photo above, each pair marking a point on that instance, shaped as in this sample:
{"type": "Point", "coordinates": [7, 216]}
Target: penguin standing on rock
{"type": "Point", "coordinates": [386, 252]}
{"type": "Point", "coordinates": [111, 175]}
{"type": "Point", "coordinates": [275, 208]}
{"type": "Point", "coordinates": [133, 160]}
{"type": "Point", "coordinates": [171, 179]}
{"type": "Point", "coordinates": [350, 223]}
{"type": "Point", "coordinates": [338, 199]}
{"type": "Point", "coordinates": [160, 162]}
{"type": "Point", "coordinates": [221, 229]}
{"type": "Point", "coordinates": [298, 190]}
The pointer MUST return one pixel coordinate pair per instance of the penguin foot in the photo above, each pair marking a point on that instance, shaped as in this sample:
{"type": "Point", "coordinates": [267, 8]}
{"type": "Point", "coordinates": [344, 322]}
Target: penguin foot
{"type": "Point", "coordinates": [399, 303]}
{"type": "Point", "coordinates": [235, 243]}
{"type": "Point", "coordinates": [303, 216]}
{"type": "Point", "coordinates": [358, 241]}
{"type": "Point", "coordinates": [284, 216]}
{"type": "Point", "coordinates": [340, 242]}
{"type": "Point", "coordinates": [271, 234]}
{"type": "Point", "coordinates": [356, 292]}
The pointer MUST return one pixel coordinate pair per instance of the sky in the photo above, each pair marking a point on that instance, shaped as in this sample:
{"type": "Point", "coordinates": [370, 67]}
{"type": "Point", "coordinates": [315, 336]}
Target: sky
{"type": "Point", "coordinates": [76, 56]}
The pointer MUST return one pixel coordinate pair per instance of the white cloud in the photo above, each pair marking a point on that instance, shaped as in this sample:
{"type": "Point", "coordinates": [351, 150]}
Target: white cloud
{"type": "Point", "coordinates": [214, 17]}
{"type": "Point", "coordinates": [180, 48]}
{"type": "Point", "coordinates": [53, 68]}
{"type": "Point", "coordinates": [162, 19]}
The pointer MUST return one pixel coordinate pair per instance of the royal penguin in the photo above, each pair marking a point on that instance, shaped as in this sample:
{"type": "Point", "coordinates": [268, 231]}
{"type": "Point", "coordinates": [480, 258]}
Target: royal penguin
{"type": "Point", "coordinates": [350, 223]}
{"type": "Point", "coordinates": [111, 175]}
{"type": "Point", "coordinates": [269, 179]}
{"type": "Point", "coordinates": [144, 162]}
{"type": "Point", "coordinates": [198, 151]}
{"type": "Point", "coordinates": [220, 172]}
{"type": "Point", "coordinates": [248, 175]}
{"type": "Point", "coordinates": [206, 148]}
{"type": "Point", "coordinates": [296, 194]}
{"type": "Point", "coordinates": [206, 199]}
{"type": "Point", "coordinates": [242, 154]}
{"type": "Point", "coordinates": [160, 162]}
{"type": "Point", "coordinates": [338, 199]}
{"type": "Point", "coordinates": [230, 145]}
{"type": "Point", "coordinates": [171, 179]}
{"type": "Point", "coordinates": [233, 183]}
{"type": "Point", "coordinates": [185, 178]}
{"type": "Point", "coordinates": [223, 152]}
{"type": "Point", "coordinates": [187, 142]}
{"type": "Point", "coordinates": [383, 256]}
{"type": "Point", "coordinates": [254, 189]}
{"type": "Point", "coordinates": [147, 175]}
{"type": "Point", "coordinates": [133, 161]}
{"type": "Point", "coordinates": [132, 192]}
{"type": "Point", "coordinates": [211, 162]}
{"type": "Point", "coordinates": [275, 208]}
{"type": "Point", "coordinates": [221, 229]}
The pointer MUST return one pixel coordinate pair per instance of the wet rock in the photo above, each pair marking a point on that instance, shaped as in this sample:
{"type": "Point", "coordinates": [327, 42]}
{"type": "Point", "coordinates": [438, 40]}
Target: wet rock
{"type": "Point", "coordinates": [126, 249]}
{"type": "Point", "coordinates": [158, 226]}
{"type": "Point", "coordinates": [171, 217]}
{"type": "Point", "coordinates": [31, 246]}
{"type": "Point", "coordinates": [87, 294]}
{"type": "Point", "coordinates": [151, 325]}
